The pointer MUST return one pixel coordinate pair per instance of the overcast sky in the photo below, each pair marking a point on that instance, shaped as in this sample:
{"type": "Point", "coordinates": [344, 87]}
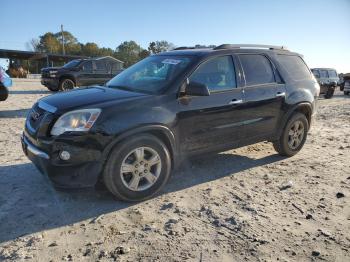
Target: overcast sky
{"type": "Point", "coordinates": [320, 30]}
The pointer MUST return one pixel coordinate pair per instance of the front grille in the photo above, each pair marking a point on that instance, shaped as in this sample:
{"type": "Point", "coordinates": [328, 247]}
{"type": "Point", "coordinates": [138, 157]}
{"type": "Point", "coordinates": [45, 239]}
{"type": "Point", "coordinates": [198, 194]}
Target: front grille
{"type": "Point", "coordinates": [35, 117]}
{"type": "Point", "coordinates": [45, 74]}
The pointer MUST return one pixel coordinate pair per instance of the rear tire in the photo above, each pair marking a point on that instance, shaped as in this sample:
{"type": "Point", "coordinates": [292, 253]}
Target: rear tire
{"type": "Point", "coordinates": [137, 168]}
{"type": "Point", "coordinates": [66, 84]}
{"type": "Point", "coordinates": [295, 130]}
{"type": "Point", "coordinates": [346, 93]}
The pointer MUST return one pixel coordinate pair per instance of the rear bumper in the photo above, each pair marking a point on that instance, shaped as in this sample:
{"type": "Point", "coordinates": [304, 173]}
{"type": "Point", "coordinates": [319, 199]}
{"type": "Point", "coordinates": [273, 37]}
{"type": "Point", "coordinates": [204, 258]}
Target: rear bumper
{"type": "Point", "coordinates": [82, 170]}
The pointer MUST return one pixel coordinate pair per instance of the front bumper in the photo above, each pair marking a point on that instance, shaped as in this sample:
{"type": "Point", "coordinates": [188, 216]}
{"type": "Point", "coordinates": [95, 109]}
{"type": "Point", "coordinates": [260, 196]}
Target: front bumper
{"type": "Point", "coordinates": [81, 170]}
{"type": "Point", "coordinates": [49, 82]}
{"type": "Point", "coordinates": [324, 88]}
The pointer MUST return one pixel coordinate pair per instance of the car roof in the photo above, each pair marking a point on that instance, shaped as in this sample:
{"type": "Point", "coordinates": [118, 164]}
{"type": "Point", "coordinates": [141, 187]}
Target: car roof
{"type": "Point", "coordinates": [208, 51]}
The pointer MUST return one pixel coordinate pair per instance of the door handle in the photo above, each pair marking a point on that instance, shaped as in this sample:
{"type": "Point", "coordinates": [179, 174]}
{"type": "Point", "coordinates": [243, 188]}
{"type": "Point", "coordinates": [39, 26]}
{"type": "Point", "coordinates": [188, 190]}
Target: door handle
{"type": "Point", "coordinates": [282, 94]}
{"type": "Point", "coordinates": [236, 102]}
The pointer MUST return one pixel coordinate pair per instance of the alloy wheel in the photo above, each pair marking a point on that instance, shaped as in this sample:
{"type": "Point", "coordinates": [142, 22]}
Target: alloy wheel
{"type": "Point", "coordinates": [68, 84]}
{"type": "Point", "coordinates": [140, 169]}
{"type": "Point", "coordinates": [296, 134]}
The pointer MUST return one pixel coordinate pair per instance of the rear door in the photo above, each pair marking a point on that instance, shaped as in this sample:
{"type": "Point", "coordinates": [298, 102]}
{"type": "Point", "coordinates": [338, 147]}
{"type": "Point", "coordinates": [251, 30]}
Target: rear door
{"type": "Point", "coordinates": [212, 122]}
{"type": "Point", "coordinates": [101, 72]}
{"type": "Point", "coordinates": [264, 94]}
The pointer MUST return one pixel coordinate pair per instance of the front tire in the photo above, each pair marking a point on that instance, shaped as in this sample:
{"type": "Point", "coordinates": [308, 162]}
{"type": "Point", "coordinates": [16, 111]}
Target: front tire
{"type": "Point", "coordinates": [293, 136]}
{"type": "Point", "coordinates": [137, 168]}
{"type": "Point", "coordinates": [66, 84]}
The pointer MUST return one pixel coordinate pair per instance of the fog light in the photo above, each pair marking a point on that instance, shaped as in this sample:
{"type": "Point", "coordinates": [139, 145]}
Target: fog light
{"type": "Point", "coordinates": [65, 155]}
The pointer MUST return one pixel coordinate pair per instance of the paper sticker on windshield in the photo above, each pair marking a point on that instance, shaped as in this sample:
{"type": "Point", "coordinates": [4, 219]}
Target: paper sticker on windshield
{"type": "Point", "coordinates": [171, 61]}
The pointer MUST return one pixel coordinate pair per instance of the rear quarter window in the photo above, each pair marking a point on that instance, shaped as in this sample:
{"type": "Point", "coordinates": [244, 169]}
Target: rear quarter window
{"type": "Point", "coordinates": [295, 66]}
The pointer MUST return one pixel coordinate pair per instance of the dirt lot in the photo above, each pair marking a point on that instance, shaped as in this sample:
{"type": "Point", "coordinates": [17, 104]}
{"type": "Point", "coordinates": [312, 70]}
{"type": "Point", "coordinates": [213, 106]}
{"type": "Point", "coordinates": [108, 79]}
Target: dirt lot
{"type": "Point", "coordinates": [224, 207]}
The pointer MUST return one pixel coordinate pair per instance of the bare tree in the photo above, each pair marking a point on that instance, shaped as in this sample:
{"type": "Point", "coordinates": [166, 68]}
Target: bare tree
{"type": "Point", "coordinates": [33, 44]}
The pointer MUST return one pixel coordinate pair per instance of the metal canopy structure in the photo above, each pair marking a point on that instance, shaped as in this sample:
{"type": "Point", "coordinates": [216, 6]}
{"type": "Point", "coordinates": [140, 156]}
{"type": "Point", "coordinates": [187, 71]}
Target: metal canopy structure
{"type": "Point", "coordinates": [40, 59]}
{"type": "Point", "coordinates": [29, 55]}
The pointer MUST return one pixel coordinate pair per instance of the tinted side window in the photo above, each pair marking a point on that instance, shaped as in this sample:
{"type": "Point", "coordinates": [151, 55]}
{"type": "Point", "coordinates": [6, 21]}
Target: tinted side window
{"type": "Point", "coordinates": [217, 73]}
{"type": "Point", "coordinates": [295, 66]}
{"type": "Point", "coordinates": [316, 73]}
{"type": "Point", "coordinates": [332, 73]}
{"type": "Point", "coordinates": [257, 69]}
{"type": "Point", "coordinates": [101, 66]}
{"type": "Point", "coordinates": [324, 73]}
{"type": "Point", "coordinates": [87, 66]}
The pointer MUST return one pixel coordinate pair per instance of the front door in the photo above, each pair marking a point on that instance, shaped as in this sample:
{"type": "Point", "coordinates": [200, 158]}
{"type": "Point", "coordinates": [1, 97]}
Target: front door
{"type": "Point", "coordinates": [212, 122]}
{"type": "Point", "coordinates": [86, 75]}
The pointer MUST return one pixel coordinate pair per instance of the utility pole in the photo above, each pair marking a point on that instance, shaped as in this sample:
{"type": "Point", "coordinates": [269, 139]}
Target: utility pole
{"type": "Point", "coordinates": [64, 51]}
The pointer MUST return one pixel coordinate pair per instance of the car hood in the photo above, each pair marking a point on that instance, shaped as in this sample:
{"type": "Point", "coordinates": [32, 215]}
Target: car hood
{"type": "Point", "coordinates": [87, 97]}
{"type": "Point", "coordinates": [50, 68]}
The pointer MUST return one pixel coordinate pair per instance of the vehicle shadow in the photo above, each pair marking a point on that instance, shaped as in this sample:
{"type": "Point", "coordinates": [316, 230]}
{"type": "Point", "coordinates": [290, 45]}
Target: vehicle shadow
{"type": "Point", "coordinates": [29, 92]}
{"type": "Point", "coordinates": [29, 204]}
{"type": "Point", "coordinates": [14, 113]}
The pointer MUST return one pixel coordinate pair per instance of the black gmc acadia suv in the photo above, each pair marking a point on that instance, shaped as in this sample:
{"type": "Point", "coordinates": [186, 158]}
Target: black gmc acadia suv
{"type": "Point", "coordinates": [133, 131]}
{"type": "Point", "coordinates": [81, 72]}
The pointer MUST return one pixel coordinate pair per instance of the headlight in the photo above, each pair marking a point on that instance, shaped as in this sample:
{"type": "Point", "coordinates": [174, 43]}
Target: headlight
{"type": "Point", "coordinates": [79, 120]}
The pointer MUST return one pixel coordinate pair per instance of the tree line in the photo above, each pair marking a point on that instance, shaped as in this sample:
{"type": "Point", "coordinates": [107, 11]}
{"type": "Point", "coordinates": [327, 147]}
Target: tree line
{"type": "Point", "coordinates": [128, 51]}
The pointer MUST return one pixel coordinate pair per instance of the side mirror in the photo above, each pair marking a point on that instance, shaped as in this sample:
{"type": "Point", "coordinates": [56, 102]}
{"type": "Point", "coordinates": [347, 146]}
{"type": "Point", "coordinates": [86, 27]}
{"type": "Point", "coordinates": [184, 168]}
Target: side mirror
{"type": "Point", "coordinates": [197, 89]}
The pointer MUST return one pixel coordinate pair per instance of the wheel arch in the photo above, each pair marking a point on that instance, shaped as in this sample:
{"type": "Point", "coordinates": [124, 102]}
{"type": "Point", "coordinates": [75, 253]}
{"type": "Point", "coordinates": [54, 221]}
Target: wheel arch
{"type": "Point", "coordinates": [164, 133]}
{"type": "Point", "coordinates": [67, 77]}
{"type": "Point", "coordinates": [305, 108]}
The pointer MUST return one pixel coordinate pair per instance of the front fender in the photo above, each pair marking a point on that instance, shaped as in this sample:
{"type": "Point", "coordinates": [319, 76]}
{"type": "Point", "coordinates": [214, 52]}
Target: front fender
{"type": "Point", "coordinates": [166, 132]}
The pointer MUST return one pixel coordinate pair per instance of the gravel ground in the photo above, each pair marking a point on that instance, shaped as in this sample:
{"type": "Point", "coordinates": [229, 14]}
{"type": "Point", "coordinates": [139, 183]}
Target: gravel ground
{"type": "Point", "coordinates": [245, 204]}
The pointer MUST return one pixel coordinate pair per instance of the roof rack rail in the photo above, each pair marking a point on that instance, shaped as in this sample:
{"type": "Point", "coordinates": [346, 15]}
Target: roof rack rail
{"type": "Point", "coordinates": [230, 46]}
{"type": "Point", "coordinates": [183, 48]}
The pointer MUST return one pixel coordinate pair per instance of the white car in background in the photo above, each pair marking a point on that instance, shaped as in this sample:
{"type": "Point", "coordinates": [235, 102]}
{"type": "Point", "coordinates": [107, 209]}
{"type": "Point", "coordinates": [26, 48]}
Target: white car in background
{"type": "Point", "coordinates": [5, 83]}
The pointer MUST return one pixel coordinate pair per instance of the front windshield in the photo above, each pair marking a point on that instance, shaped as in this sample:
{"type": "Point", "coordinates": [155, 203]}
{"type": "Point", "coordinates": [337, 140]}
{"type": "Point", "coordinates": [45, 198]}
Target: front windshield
{"type": "Point", "coordinates": [151, 74]}
{"type": "Point", "coordinates": [72, 63]}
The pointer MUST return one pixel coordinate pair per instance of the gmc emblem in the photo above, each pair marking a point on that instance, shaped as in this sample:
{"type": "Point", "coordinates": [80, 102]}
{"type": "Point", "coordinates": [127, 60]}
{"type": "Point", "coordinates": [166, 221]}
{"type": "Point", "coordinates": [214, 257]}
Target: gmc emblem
{"type": "Point", "coordinates": [34, 115]}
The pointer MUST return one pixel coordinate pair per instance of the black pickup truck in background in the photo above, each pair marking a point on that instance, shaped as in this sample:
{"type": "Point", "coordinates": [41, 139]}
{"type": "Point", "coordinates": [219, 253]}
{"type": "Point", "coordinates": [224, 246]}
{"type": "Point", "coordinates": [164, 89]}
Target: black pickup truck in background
{"type": "Point", "coordinates": [81, 72]}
